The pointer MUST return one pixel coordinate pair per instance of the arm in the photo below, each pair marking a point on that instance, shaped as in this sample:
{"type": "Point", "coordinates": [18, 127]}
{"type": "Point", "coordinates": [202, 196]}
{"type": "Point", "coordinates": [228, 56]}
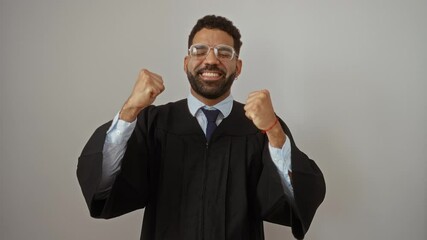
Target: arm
{"type": "Point", "coordinates": [101, 176]}
{"type": "Point", "coordinates": [307, 180]}
{"type": "Point", "coordinates": [281, 158]}
{"type": "Point", "coordinates": [114, 149]}
{"type": "Point", "coordinates": [146, 89]}
{"type": "Point", "coordinates": [259, 109]}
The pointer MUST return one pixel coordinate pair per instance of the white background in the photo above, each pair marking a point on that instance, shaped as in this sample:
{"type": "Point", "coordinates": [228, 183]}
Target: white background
{"type": "Point", "coordinates": [348, 77]}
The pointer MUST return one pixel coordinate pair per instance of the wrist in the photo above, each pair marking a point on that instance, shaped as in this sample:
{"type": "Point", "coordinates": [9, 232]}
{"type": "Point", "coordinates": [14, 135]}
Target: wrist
{"type": "Point", "coordinates": [129, 113]}
{"type": "Point", "coordinates": [276, 136]}
{"type": "Point", "coordinates": [272, 126]}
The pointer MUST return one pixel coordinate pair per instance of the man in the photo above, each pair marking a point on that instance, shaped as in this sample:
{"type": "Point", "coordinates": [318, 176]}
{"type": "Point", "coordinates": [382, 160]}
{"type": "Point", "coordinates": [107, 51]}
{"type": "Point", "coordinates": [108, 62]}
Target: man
{"type": "Point", "coordinates": [205, 167]}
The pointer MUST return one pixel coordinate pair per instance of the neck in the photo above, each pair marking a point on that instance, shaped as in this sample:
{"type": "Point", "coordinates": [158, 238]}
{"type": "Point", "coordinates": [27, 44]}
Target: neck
{"type": "Point", "coordinates": [207, 101]}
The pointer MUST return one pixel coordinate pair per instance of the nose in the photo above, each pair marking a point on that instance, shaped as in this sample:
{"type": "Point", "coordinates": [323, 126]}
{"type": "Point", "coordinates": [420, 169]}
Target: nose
{"type": "Point", "coordinates": [211, 57]}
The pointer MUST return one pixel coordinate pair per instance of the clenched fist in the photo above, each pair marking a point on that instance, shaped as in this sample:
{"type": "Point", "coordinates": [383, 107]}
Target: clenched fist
{"type": "Point", "coordinates": [148, 86]}
{"type": "Point", "coordinates": [259, 109]}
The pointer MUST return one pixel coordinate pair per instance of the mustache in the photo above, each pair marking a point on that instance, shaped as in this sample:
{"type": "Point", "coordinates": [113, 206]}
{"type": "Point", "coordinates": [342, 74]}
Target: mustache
{"type": "Point", "coordinates": [210, 67]}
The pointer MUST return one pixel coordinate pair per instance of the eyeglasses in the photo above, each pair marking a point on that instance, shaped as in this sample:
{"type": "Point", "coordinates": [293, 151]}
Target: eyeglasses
{"type": "Point", "coordinates": [222, 52]}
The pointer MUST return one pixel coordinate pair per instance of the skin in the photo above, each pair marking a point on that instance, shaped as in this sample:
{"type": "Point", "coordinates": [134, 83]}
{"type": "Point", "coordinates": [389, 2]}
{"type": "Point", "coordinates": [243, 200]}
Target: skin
{"type": "Point", "coordinates": [212, 37]}
{"type": "Point", "coordinates": [211, 74]}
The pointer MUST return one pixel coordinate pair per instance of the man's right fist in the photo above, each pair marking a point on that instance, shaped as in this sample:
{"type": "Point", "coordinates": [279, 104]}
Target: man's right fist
{"type": "Point", "coordinates": [148, 86]}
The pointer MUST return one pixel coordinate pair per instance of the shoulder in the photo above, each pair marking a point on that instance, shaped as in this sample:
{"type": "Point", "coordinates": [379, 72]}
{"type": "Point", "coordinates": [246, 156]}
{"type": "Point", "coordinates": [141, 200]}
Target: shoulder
{"type": "Point", "coordinates": [173, 117]}
{"type": "Point", "coordinates": [155, 111]}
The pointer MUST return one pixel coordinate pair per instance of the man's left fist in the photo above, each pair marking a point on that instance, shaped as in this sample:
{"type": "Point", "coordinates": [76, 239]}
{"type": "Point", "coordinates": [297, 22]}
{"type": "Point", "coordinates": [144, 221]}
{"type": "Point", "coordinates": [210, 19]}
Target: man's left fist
{"type": "Point", "coordinates": [259, 109]}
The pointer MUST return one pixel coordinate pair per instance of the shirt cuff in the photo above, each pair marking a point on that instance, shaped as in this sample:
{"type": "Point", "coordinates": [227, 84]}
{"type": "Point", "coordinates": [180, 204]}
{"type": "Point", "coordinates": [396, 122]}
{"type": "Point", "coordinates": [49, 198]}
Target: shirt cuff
{"type": "Point", "coordinates": [120, 130]}
{"type": "Point", "coordinates": [282, 160]}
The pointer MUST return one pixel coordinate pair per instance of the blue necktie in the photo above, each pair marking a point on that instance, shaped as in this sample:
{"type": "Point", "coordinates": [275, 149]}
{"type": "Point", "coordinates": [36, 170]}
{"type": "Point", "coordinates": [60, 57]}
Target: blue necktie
{"type": "Point", "coordinates": [211, 116]}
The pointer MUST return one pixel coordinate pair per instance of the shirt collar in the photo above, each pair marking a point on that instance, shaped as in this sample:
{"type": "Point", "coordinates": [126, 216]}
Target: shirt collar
{"type": "Point", "coordinates": [224, 106]}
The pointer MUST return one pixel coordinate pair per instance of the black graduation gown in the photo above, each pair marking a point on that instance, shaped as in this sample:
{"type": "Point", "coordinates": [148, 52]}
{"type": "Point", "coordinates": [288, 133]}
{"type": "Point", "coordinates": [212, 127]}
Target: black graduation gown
{"type": "Point", "coordinates": [192, 189]}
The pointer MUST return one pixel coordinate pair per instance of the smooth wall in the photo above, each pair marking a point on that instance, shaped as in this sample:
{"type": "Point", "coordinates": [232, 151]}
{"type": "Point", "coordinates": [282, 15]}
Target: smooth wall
{"type": "Point", "coordinates": [348, 77]}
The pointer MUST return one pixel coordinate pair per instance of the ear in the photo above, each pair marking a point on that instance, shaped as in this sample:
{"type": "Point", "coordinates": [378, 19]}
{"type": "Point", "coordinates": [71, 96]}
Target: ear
{"type": "Point", "coordinates": [186, 59]}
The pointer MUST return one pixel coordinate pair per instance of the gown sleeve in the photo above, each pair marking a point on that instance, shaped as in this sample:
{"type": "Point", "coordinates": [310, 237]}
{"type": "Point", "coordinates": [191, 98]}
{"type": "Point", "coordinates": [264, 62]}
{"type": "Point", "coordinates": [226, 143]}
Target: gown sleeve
{"type": "Point", "coordinates": [308, 185]}
{"type": "Point", "coordinates": [130, 189]}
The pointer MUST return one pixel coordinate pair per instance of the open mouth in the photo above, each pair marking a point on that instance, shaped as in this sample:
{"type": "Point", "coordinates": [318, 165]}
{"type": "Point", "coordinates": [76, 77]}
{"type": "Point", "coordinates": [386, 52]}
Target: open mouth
{"type": "Point", "coordinates": [211, 75]}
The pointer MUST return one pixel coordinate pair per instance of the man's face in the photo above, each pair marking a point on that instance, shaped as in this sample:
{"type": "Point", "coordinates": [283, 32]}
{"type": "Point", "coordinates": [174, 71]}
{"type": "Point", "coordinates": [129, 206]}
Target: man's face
{"type": "Point", "coordinates": [210, 77]}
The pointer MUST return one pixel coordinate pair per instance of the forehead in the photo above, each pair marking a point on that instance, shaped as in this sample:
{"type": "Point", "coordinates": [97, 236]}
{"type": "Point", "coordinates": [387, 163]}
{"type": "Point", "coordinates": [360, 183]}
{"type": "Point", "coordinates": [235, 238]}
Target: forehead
{"type": "Point", "coordinates": [213, 37]}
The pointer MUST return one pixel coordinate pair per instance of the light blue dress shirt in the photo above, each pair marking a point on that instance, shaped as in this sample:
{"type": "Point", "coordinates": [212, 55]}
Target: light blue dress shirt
{"type": "Point", "coordinates": [120, 131]}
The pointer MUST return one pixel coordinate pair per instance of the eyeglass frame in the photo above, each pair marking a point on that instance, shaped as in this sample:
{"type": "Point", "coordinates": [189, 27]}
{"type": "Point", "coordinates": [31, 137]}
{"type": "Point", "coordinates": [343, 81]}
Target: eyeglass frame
{"type": "Point", "coordinates": [215, 48]}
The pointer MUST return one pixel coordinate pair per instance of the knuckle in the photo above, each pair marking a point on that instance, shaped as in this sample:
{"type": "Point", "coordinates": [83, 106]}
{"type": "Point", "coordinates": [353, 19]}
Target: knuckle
{"type": "Point", "coordinates": [143, 72]}
{"type": "Point", "coordinates": [264, 94]}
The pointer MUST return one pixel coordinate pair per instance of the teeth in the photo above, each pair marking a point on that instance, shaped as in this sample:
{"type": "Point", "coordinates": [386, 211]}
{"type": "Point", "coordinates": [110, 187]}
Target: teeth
{"type": "Point", "coordinates": [210, 74]}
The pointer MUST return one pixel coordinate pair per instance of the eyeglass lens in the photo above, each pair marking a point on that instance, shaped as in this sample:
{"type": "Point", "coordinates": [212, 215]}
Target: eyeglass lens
{"type": "Point", "coordinates": [221, 51]}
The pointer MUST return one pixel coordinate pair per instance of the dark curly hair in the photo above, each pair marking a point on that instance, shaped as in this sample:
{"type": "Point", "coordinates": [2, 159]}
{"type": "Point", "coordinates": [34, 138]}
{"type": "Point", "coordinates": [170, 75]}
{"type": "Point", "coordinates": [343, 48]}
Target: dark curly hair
{"type": "Point", "coordinates": [217, 22]}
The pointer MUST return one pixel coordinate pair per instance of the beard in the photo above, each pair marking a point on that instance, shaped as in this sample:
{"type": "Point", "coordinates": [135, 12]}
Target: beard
{"type": "Point", "coordinates": [214, 89]}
